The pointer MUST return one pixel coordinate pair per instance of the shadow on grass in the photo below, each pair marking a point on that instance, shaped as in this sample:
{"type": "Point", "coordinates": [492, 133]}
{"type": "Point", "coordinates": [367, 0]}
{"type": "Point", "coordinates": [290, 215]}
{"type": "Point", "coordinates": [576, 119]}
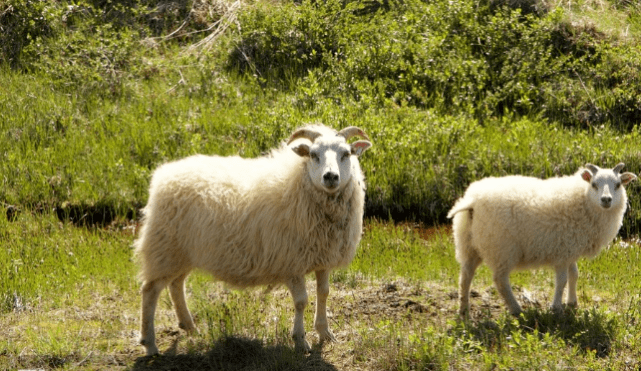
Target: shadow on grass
{"type": "Point", "coordinates": [590, 330]}
{"type": "Point", "coordinates": [235, 353]}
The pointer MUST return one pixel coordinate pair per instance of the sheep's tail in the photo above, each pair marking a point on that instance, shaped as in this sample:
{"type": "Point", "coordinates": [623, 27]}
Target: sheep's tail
{"type": "Point", "coordinates": [462, 204]}
{"type": "Point", "coordinates": [461, 214]}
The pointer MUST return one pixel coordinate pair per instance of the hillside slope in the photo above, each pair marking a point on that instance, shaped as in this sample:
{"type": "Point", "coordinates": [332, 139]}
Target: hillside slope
{"type": "Point", "coordinates": [98, 93]}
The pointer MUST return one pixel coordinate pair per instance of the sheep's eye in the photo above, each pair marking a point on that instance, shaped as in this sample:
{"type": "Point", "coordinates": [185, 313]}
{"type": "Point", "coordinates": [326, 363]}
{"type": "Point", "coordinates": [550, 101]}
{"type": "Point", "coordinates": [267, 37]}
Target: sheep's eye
{"type": "Point", "coordinates": [595, 186]}
{"type": "Point", "coordinates": [344, 156]}
{"type": "Point", "coordinates": [314, 156]}
{"type": "Point", "coordinates": [617, 186]}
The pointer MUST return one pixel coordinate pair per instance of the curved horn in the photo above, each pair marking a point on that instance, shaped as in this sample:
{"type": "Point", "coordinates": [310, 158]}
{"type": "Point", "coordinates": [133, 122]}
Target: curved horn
{"type": "Point", "coordinates": [593, 169]}
{"type": "Point", "coordinates": [618, 168]}
{"type": "Point", "coordinates": [304, 133]}
{"type": "Point", "coordinates": [351, 131]}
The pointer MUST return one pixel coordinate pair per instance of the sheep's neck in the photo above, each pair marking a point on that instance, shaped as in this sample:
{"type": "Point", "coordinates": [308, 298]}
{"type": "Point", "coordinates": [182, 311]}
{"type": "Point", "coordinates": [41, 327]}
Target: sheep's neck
{"type": "Point", "coordinates": [335, 207]}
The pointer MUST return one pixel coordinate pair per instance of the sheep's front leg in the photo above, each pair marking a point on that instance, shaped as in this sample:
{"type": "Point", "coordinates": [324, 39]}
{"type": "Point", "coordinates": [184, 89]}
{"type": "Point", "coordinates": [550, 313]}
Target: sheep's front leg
{"type": "Point", "coordinates": [297, 287]}
{"type": "Point", "coordinates": [322, 291]}
{"type": "Point", "coordinates": [559, 287]}
{"type": "Point", "coordinates": [502, 282]}
{"type": "Point", "coordinates": [573, 276]}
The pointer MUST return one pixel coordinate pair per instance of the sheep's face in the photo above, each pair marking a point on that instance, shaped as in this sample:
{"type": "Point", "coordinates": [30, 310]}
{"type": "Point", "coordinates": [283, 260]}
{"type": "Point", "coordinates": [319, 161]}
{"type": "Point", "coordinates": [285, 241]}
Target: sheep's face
{"type": "Point", "coordinates": [331, 161]}
{"type": "Point", "coordinates": [606, 185]}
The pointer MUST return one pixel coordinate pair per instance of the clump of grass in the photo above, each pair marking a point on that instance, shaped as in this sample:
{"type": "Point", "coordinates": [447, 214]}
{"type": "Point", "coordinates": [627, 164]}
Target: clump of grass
{"type": "Point", "coordinates": [43, 257]}
{"type": "Point", "coordinates": [589, 330]}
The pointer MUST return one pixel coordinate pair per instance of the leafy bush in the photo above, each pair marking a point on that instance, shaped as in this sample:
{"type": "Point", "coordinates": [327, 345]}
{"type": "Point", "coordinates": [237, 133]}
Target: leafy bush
{"type": "Point", "coordinates": [21, 23]}
{"type": "Point", "coordinates": [95, 58]}
{"type": "Point", "coordinates": [604, 93]}
{"type": "Point", "coordinates": [281, 42]}
{"type": "Point", "coordinates": [456, 56]}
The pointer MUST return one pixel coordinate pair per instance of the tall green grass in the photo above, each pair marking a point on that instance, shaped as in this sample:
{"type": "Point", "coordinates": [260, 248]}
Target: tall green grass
{"type": "Point", "coordinates": [67, 151]}
{"type": "Point", "coordinates": [44, 259]}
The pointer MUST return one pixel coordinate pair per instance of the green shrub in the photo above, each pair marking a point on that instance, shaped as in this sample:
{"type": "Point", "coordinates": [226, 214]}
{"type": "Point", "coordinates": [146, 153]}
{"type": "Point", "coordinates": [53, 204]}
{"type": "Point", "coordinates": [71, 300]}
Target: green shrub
{"type": "Point", "coordinates": [23, 22]}
{"type": "Point", "coordinates": [456, 56]}
{"type": "Point", "coordinates": [281, 42]}
{"type": "Point", "coordinates": [92, 58]}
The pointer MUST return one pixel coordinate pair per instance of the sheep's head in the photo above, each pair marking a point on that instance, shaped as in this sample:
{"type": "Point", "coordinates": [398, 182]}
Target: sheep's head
{"type": "Point", "coordinates": [331, 157]}
{"type": "Point", "coordinates": [606, 185]}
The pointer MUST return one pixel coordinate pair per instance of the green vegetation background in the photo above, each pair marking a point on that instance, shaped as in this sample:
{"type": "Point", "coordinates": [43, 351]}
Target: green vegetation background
{"type": "Point", "coordinates": [97, 93]}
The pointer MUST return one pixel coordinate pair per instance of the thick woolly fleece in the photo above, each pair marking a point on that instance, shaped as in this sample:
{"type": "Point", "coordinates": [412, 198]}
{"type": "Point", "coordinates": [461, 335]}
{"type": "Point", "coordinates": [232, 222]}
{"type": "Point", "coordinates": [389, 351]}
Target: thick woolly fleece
{"type": "Point", "coordinates": [523, 222]}
{"type": "Point", "coordinates": [518, 222]}
{"type": "Point", "coordinates": [251, 222]}
{"type": "Point", "coordinates": [247, 221]}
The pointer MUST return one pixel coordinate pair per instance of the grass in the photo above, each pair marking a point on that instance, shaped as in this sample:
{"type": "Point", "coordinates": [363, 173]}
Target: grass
{"type": "Point", "coordinates": [65, 290]}
{"type": "Point", "coordinates": [97, 156]}
{"type": "Point", "coordinates": [74, 304]}
{"type": "Point", "coordinates": [618, 18]}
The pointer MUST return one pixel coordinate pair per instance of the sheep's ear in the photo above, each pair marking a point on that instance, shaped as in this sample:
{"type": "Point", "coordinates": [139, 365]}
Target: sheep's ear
{"type": "Point", "coordinates": [360, 146]}
{"type": "Point", "coordinates": [594, 169]}
{"type": "Point", "coordinates": [586, 175]}
{"type": "Point", "coordinates": [301, 149]}
{"type": "Point", "coordinates": [627, 178]}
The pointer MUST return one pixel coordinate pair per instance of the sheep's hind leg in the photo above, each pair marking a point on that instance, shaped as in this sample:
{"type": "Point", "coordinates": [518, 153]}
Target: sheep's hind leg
{"type": "Point", "coordinates": [468, 268]}
{"type": "Point", "coordinates": [502, 282]}
{"type": "Point", "coordinates": [297, 288]}
{"type": "Point", "coordinates": [573, 276]}
{"type": "Point", "coordinates": [559, 287]}
{"type": "Point", "coordinates": [322, 291]}
{"type": "Point", "coordinates": [177, 292]}
{"type": "Point", "coordinates": [150, 292]}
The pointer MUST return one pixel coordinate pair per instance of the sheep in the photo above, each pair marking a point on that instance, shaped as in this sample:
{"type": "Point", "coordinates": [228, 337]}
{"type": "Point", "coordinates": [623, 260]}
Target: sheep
{"type": "Point", "coordinates": [263, 221]}
{"type": "Point", "coordinates": [518, 222]}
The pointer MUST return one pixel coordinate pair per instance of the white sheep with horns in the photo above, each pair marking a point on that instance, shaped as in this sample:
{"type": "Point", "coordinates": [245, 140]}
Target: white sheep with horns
{"type": "Point", "coordinates": [517, 222]}
{"type": "Point", "coordinates": [249, 222]}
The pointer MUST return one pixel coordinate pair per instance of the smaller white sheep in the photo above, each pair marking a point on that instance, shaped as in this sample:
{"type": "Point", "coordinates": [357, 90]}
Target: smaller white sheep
{"type": "Point", "coordinates": [517, 222]}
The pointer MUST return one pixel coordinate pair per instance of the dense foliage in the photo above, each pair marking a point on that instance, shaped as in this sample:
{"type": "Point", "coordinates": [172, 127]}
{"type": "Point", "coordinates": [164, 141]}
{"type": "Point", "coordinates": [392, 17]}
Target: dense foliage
{"type": "Point", "coordinates": [100, 92]}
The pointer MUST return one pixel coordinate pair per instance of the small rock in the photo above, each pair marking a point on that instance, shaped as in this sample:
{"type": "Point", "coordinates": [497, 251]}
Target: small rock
{"type": "Point", "coordinates": [390, 287]}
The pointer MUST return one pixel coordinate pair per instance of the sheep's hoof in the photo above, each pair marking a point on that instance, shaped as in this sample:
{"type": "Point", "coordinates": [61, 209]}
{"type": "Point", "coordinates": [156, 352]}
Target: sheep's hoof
{"type": "Point", "coordinates": [302, 346]}
{"type": "Point", "coordinates": [152, 350]}
{"type": "Point", "coordinates": [557, 309]}
{"type": "Point", "coordinates": [188, 328]}
{"type": "Point", "coordinates": [150, 346]}
{"type": "Point", "coordinates": [326, 336]}
{"type": "Point", "coordinates": [324, 333]}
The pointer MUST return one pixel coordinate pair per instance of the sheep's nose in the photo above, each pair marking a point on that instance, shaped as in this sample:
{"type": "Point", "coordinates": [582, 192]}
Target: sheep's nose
{"type": "Point", "coordinates": [330, 178]}
{"type": "Point", "coordinates": [606, 200]}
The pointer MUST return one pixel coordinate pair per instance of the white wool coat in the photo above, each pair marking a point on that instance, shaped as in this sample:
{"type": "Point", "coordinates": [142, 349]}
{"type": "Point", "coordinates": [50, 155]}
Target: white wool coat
{"type": "Point", "coordinates": [522, 222]}
{"type": "Point", "coordinates": [247, 221]}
